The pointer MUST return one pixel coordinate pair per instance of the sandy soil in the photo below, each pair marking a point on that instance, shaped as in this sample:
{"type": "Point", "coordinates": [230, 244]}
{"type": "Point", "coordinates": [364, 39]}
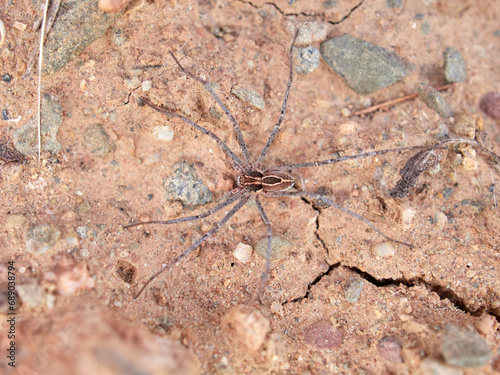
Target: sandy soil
{"type": "Point", "coordinates": [451, 276]}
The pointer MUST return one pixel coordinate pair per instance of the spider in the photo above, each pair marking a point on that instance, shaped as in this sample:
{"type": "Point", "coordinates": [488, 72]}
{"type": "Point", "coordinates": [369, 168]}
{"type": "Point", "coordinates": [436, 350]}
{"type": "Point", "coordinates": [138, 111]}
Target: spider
{"type": "Point", "coordinates": [254, 180]}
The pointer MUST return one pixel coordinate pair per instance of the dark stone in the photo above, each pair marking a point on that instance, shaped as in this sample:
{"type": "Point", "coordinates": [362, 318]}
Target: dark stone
{"type": "Point", "coordinates": [365, 67]}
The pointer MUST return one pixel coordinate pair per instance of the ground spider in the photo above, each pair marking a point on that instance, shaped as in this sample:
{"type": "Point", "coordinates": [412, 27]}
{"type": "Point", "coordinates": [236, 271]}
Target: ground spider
{"type": "Point", "coordinates": [254, 180]}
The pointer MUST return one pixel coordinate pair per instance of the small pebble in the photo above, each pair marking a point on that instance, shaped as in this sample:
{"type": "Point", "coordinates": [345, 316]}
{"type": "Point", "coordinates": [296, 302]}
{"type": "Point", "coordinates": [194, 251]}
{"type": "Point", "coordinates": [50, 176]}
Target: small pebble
{"type": "Point", "coordinates": [384, 249]}
{"type": "Point", "coordinates": [389, 347]}
{"type": "Point", "coordinates": [486, 325]}
{"type": "Point", "coordinates": [394, 3]}
{"type": "Point", "coordinates": [118, 38]}
{"type": "Point", "coordinates": [25, 139]}
{"type": "Point", "coordinates": [440, 219]}
{"type": "Point", "coordinates": [309, 32]}
{"type": "Point", "coordinates": [132, 83]}
{"type": "Point", "coordinates": [163, 133]}
{"type": "Point", "coordinates": [243, 252]}
{"type": "Point", "coordinates": [277, 308]}
{"type": "Point", "coordinates": [20, 26]}
{"type": "Point", "coordinates": [14, 221]}
{"type": "Point", "coordinates": [323, 335]}
{"type": "Point", "coordinates": [426, 28]}
{"type": "Point", "coordinates": [466, 124]}
{"type": "Point", "coordinates": [246, 326]}
{"type": "Point", "coordinates": [249, 96]}
{"type": "Point", "coordinates": [306, 59]}
{"type": "Point", "coordinates": [454, 66]}
{"type": "Point", "coordinates": [112, 6]}
{"type": "Point", "coordinates": [433, 99]}
{"type": "Point", "coordinates": [490, 104]}
{"type": "Point", "coordinates": [6, 77]}
{"type": "Point", "coordinates": [463, 347]}
{"type": "Point", "coordinates": [32, 295]}
{"type": "Point", "coordinates": [40, 238]}
{"type": "Point", "coordinates": [86, 232]}
{"type": "Point", "coordinates": [353, 290]}
{"type": "Point", "coordinates": [146, 85]}
{"type": "Point", "coordinates": [98, 142]}
{"type": "Point", "coordinates": [279, 247]}
{"type": "Point", "coordinates": [184, 185]}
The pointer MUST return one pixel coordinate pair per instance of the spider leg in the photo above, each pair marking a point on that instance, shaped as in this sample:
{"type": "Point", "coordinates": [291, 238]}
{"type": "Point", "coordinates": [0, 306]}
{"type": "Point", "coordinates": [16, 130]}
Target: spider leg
{"type": "Point", "coordinates": [441, 145]}
{"type": "Point", "coordinates": [283, 107]}
{"type": "Point", "coordinates": [267, 223]}
{"type": "Point", "coordinates": [236, 160]}
{"type": "Point", "coordinates": [197, 243]}
{"type": "Point", "coordinates": [358, 156]}
{"type": "Point", "coordinates": [339, 207]}
{"type": "Point", "coordinates": [234, 195]}
{"type": "Point", "coordinates": [236, 126]}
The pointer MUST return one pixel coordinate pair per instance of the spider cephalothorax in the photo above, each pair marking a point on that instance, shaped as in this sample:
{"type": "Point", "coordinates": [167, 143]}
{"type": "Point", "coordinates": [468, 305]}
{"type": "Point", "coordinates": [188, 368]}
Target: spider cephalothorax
{"type": "Point", "coordinates": [265, 182]}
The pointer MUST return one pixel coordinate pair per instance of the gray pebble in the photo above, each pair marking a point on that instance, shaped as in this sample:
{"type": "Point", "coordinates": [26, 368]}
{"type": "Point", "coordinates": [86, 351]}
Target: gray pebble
{"type": "Point", "coordinates": [26, 138]}
{"type": "Point", "coordinates": [98, 141]}
{"type": "Point", "coordinates": [249, 96]}
{"type": "Point", "coordinates": [40, 238]}
{"type": "Point", "coordinates": [454, 66]}
{"type": "Point", "coordinates": [433, 99]}
{"type": "Point", "coordinates": [365, 67]}
{"type": "Point", "coordinates": [86, 232]}
{"type": "Point", "coordinates": [464, 347]}
{"type": "Point", "coordinates": [426, 28]}
{"type": "Point", "coordinates": [353, 290]}
{"type": "Point", "coordinates": [79, 23]}
{"type": "Point", "coordinates": [184, 185]}
{"type": "Point", "coordinates": [394, 3]}
{"type": "Point", "coordinates": [306, 59]}
{"type": "Point", "coordinates": [118, 38]}
{"type": "Point", "coordinates": [279, 247]}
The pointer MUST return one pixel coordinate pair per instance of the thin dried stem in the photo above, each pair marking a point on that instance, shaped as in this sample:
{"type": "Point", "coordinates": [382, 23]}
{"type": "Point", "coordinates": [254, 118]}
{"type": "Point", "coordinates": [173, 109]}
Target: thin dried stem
{"type": "Point", "coordinates": [392, 102]}
{"type": "Point", "coordinates": [197, 243]}
{"type": "Point", "coordinates": [40, 61]}
{"type": "Point", "coordinates": [236, 126]}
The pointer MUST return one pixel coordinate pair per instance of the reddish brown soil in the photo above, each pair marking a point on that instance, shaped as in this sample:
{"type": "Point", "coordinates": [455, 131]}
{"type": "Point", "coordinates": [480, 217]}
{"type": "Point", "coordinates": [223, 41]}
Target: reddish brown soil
{"type": "Point", "coordinates": [451, 276]}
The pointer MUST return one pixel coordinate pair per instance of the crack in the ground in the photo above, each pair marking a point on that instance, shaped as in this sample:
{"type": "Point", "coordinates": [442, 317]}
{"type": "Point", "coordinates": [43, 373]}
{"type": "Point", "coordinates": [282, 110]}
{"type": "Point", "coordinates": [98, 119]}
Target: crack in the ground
{"type": "Point", "coordinates": [304, 13]}
{"type": "Point", "coordinates": [442, 292]}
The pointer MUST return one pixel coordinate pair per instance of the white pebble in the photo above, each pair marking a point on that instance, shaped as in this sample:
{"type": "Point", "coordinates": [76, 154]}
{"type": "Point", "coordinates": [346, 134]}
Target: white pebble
{"type": "Point", "coordinates": [146, 85]}
{"type": "Point", "coordinates": [163, 133]}
{"type": "Point", "coordinates": [384, 249]}
{"type": "Point", "coordinates": [243, 252]}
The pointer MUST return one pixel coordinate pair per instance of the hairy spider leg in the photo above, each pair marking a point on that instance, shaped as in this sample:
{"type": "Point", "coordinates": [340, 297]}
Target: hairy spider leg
{"type": "Point", "coordinates": [339, 207]}
{"type": "Point", "coordinates": [199, 241]}
{"type": "Point", "coordinates": [236, 160]}
{"type": "Point", "coordinates": [267, 271]}
{"type": "Point", "coordinates": [236, 126]}
{"type": "Point", "coordinates": [233, 196]}
{"type": "Point", "coordinates": [277, 127]}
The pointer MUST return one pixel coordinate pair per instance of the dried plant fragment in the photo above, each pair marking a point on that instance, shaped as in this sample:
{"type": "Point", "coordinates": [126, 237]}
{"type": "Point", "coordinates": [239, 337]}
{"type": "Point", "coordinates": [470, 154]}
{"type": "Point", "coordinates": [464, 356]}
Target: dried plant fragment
{"type": "Point", "coordinates": [416, 165]}
{"type": "Point", "coordinates": [9, 154]}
